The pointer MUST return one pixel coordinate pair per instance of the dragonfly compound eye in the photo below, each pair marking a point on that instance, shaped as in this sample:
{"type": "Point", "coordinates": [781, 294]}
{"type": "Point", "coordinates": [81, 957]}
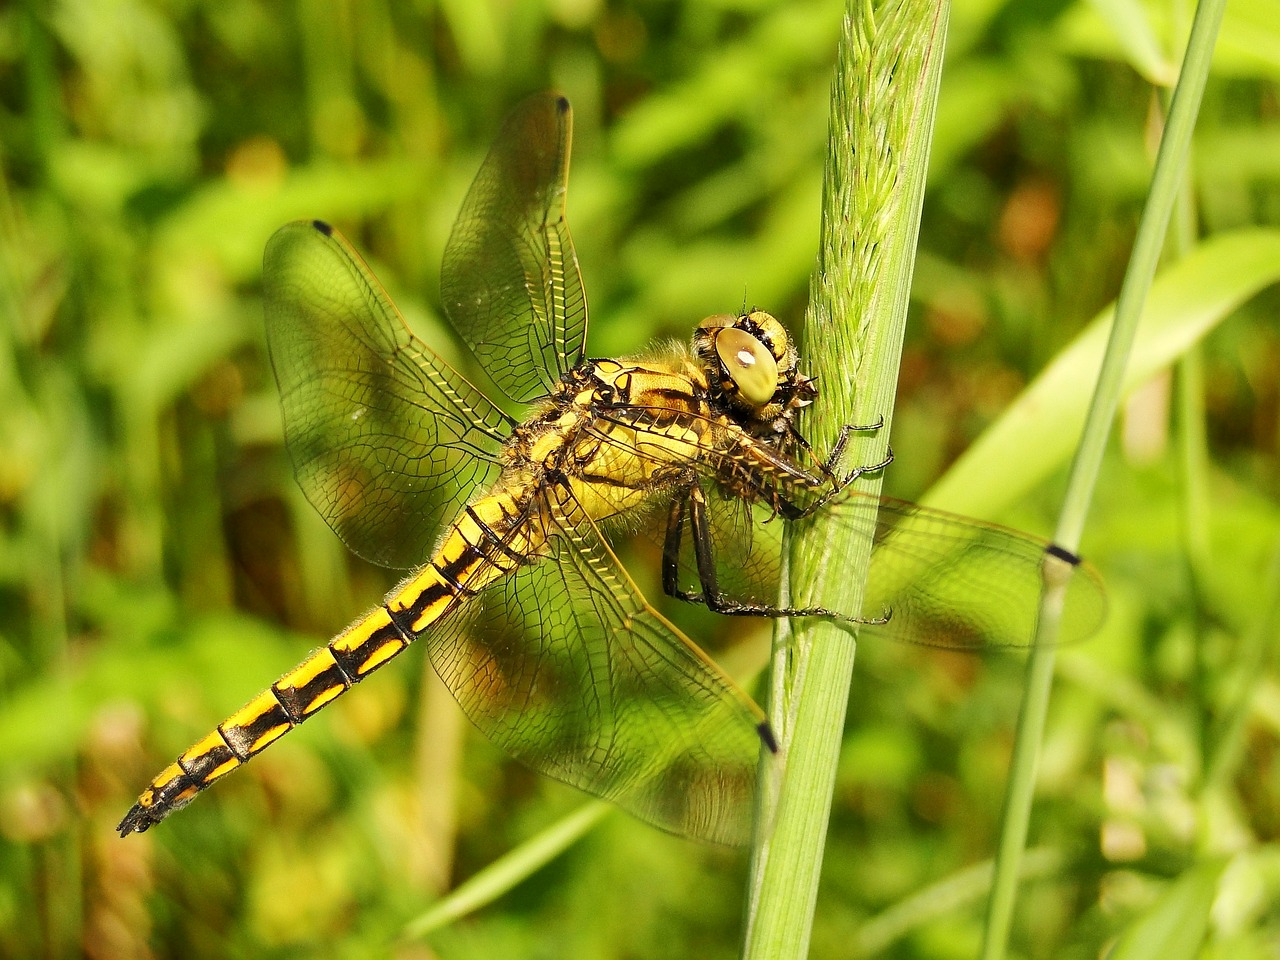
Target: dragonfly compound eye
{"type": "Point", "coordinates": [749, 364]}
{"type": "Point", "coordinates": [768, 330]}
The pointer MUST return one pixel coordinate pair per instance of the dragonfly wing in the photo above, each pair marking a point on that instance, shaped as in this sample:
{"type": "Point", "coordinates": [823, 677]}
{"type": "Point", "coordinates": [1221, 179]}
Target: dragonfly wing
{"type": "Point", "coordinates": [936, 578]}
{"type": "Point", "coordinates": [566, 667]}
{"type": "Point", "coordinates": [387, 440]}
{"type": "Point", "coordinates": [510, 282]}
{"type": "Point", "coordinates": [952, 581]}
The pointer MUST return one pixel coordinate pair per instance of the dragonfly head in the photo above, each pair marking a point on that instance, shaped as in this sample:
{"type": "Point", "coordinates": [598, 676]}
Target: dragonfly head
{"type": "Point", "coordinates": [750, 363]}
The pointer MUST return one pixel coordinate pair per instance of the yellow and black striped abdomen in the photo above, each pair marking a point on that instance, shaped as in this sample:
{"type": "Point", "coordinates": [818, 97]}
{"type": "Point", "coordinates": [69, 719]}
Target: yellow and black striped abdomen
{"type": "Point", "coordinates": [469, 558]}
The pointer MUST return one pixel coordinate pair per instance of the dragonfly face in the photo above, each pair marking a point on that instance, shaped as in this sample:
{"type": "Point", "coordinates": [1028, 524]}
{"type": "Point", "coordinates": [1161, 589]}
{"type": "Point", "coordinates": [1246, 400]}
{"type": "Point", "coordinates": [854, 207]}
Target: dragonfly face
{"type": "Point", "coordinates": [750, 363]}
{"type": "Point", "coordinates": [506, 526]}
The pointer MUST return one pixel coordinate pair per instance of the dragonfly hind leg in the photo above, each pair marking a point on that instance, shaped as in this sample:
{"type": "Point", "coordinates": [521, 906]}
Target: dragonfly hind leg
{"type": "Point", "coordinates": [694, 509]}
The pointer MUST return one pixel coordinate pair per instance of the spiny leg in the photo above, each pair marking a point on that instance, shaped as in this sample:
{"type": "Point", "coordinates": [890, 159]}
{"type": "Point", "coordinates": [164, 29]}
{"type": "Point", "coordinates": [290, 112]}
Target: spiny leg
{"type": "Point", "coordinates": [671, 554]}
{"type": "Point", "coordinates": [694, 508]}
{"type": "Point", "coordinates": [842, 441]}
{"type": "Point", "coordinates": [796, 511]}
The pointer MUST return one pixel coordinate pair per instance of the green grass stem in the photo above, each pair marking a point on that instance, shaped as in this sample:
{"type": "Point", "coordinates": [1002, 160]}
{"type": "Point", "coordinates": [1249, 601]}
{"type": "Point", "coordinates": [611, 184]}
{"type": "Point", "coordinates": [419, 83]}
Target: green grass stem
{"type": "Point", "coordinates": [509, 870]}
{"type": "Point", "coordinates": [961, 890]}
{"type": "Point", "coordinates": [883, 99]}
{"type": "Point", "coordinates": [1166, 183]}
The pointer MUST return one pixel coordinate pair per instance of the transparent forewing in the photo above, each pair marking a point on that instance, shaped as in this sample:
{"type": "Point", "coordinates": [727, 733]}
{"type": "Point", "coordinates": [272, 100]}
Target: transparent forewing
{"type": "Point", "coordinates": [510, 282]}
{"type": "Point", "coordinates": [936, 578]}
{"type": "Point", "coordinates": [566, 667]}
{"type": "Point", "coordinates": [387, 440]}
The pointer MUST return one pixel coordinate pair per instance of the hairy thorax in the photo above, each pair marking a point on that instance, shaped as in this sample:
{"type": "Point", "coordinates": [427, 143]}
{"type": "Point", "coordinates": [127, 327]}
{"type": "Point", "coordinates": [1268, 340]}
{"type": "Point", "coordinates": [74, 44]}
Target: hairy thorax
{"type": "Point", "coordinates": [613, 434]}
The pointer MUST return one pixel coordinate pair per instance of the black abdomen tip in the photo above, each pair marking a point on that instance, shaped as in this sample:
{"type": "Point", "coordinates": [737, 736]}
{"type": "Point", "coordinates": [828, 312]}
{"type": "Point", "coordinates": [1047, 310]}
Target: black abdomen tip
{"type": "Point", "coordinates": [323, 227]}
{"type": "Point", "coordinates": [138, 820]}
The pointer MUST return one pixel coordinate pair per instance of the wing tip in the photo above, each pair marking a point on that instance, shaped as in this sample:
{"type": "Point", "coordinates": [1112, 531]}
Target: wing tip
{"type": "Point", "coordinates": [323, 227]}
{"type": "Point", "coordinates": [766, 736]}
{"type": "Point", "coordinates": [1063, 554]}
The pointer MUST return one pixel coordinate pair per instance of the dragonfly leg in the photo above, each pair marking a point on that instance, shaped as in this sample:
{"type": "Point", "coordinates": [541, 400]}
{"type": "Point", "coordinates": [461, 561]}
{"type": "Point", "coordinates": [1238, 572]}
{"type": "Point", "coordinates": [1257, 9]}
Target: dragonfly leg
{"type": "Point", "coordinates": [792, 510]}
{"type": "Point", "coordinates": [694, 508]}
{"type": "Point", "coordinates": [838, 486]}
{"type": "Point", "coordinates": [671, 554]}
{"type": "Point", "coordinates": [842, 441]}
{"type": "Point", "coordinates": [830, 466]}
{"type": "Point", "coordinates": [858, 471]}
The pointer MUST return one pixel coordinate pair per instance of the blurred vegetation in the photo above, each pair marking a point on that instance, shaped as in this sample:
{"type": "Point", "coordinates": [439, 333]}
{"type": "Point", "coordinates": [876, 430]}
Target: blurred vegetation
{"type": "Point", "coordinates": [158, 567]}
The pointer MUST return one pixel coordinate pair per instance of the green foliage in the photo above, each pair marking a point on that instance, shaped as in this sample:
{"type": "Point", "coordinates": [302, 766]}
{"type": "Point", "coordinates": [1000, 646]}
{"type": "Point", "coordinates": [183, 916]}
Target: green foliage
{"type": "Point", "coordinates": [158, 567]}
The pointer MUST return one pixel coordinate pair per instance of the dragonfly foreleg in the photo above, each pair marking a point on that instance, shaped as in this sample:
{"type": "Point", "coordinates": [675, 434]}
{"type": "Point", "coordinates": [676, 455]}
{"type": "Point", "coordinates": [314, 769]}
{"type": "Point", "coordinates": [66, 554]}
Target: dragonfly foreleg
{"type": "Point", "coordinates": [837, 452]}
{"type": "Point", "coordinates": [793, 510]}
{"type": "Point", "coordinates": [855, 473]}
{"type": "Point", "coordinates": [830, 467]}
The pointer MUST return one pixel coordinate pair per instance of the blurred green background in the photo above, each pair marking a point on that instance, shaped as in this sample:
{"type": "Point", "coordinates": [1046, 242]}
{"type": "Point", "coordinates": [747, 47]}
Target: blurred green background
{"type": "Point", "coordinates": [158, 567]}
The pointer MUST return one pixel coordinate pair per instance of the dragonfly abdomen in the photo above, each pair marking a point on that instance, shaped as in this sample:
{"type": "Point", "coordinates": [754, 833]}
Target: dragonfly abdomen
{"type": "Point", "coordinates": [490, 538]}
{"type": "Point", "coordinates": [329, 672]}
{"type": "Point", "coordinates": [472, 555]}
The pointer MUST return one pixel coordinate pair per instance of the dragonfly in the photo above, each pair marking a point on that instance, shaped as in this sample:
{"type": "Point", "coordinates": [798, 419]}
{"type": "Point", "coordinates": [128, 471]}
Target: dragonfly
{"type": "Point", "coordinates": [509, 528]}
